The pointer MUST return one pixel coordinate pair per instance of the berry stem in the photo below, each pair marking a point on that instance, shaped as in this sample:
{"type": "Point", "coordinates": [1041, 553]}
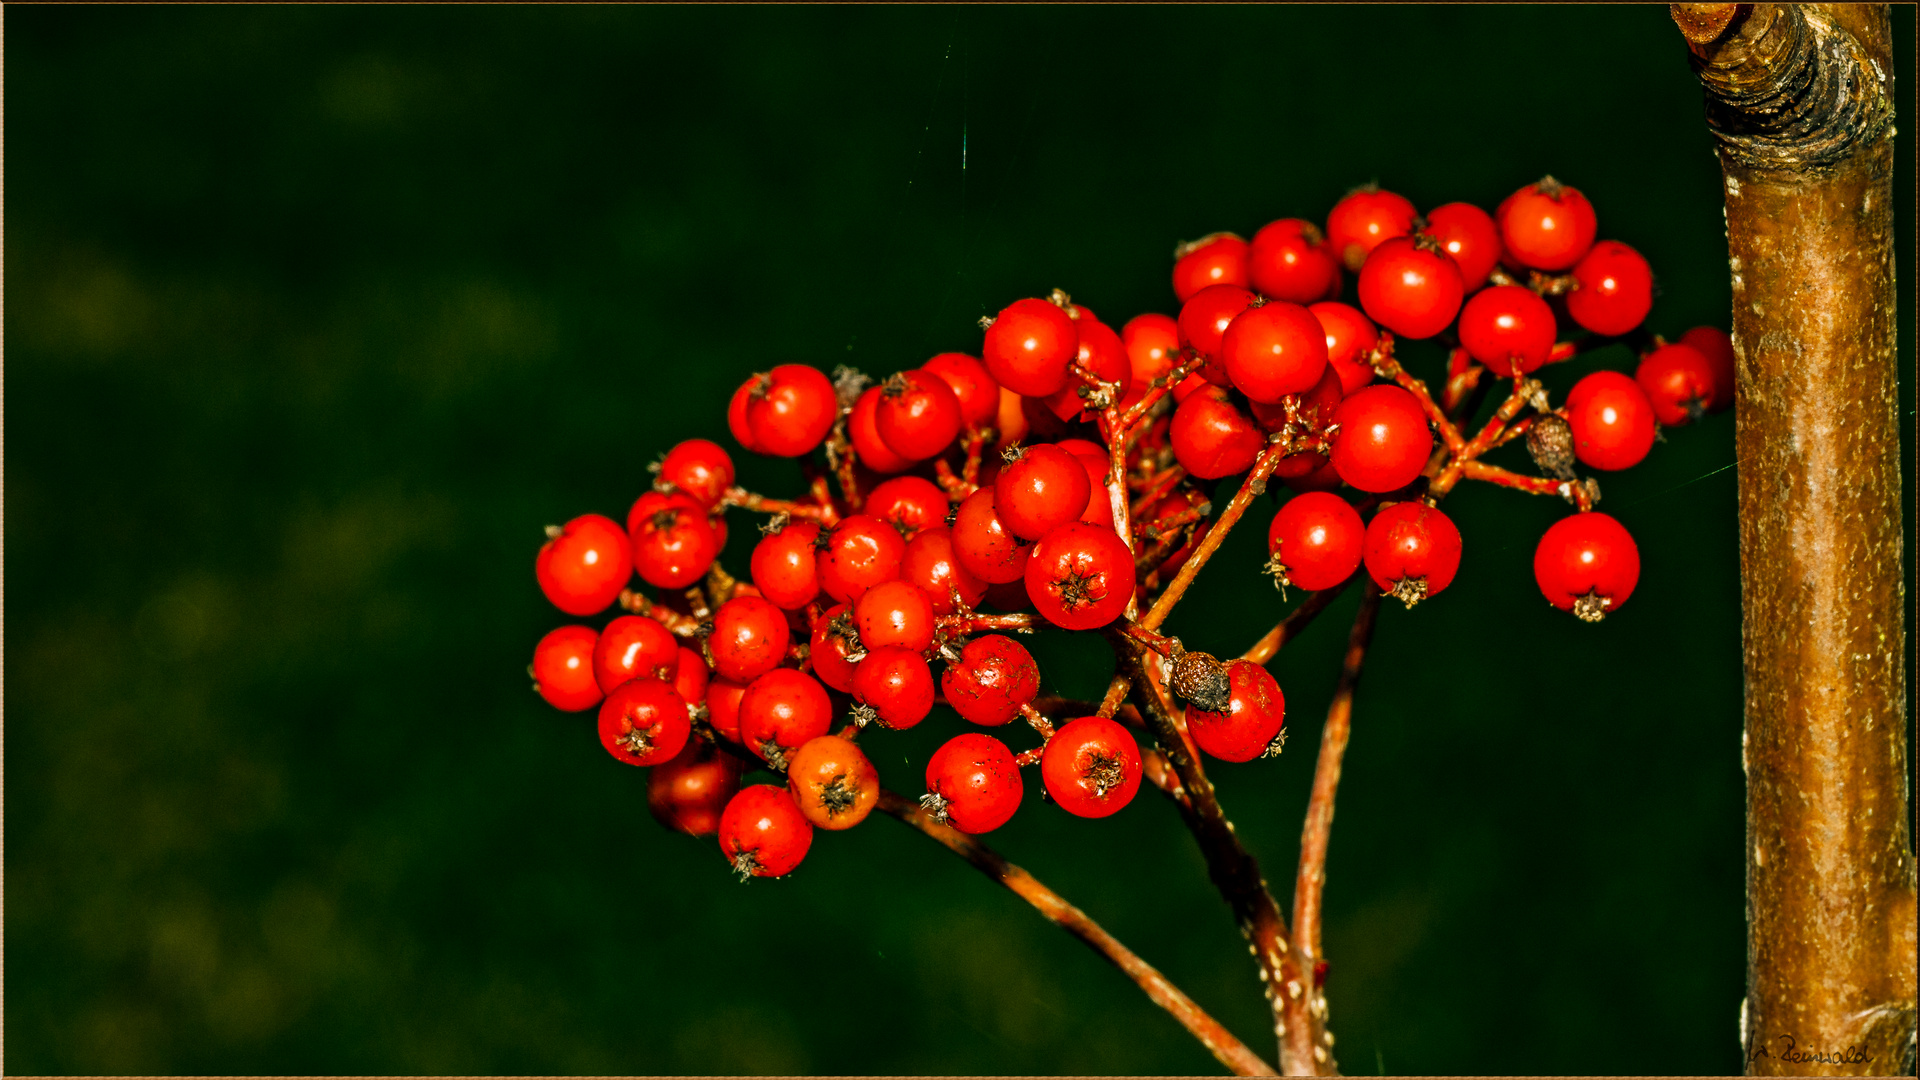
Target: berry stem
{"type": "Point", "coordinates": [1311, 877]}
{"type": "Point", "coordinates": [637, 603]}
{"type": "Point", "coordinates": [1156, 488]}
{"type": "Point", "coordinates": [957, 626]}
{"type": "Point", "coordinates": [1297, 620]}
{"type": "Point", "coordinates": [760, 504]}
{"type": "Point", "coordinates": [1256, 483]}
{"type": "Point", "coordinates": [1213, 1035]}
{"type": "Point", "coordinates": [1161, 387]}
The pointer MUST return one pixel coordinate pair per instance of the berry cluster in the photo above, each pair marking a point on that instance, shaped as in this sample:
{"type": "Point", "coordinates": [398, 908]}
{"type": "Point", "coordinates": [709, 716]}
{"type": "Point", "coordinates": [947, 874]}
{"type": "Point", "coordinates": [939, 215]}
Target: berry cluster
{"type": "Point", "coordinates": [1060, 480]}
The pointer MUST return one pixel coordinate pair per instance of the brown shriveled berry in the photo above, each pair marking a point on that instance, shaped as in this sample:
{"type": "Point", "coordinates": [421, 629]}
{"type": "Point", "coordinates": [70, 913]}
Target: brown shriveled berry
{"type": "Point", "coordinates": [1200, 680]}
{"type": "Point", "coordinates": [1550, 441]}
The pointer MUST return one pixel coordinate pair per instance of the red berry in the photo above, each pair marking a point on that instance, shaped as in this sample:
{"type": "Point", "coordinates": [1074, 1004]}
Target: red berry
{"type": "Point", "coordinates": [690, 676]}
{"type": "Point", "coordinates": [896, 683]}
{"type": "Point", "coordinates": [780, 711]}
{"type": "Point", "coordinates": [1469, 237]}
{"type": "Point", "coordinates": [1042, 487]}
{"type": "Point", "coordinates": [1323, 478]}
{"type": "Point", "coordinates": [1412, 550]}
{"type": "Point", "coordinates": [1714, 344]}
{"type": "Point", "coordinates": [585, 565]}
{"type": "Point", "coordinates": [833, 641]}
{"type": "Point", "coordinates": [563, 669]}
{"type": "Point", "coordinates": [634, 647]}
{"type": "Point", "coordinates": [784, 566]}
{"type": "Point", "coordinates": [1314, 409]}
{"type": "Point", "coordinates": [1204, 320]}
{"type": "Point", "coordinates": [1092, 458]}
{"type": "Point", "coordinates": [1273, 350]}
{"type": "Point", "coordinates": [983, 543]}
{"type": "Point", "coordinates": [909, 503]}
{"type": "Point", "coordinates": [1383, 443]}
{"type": "Point", "coordinates": [762, 832]}
{"type": "Point", "coordinates": [737, 415]}
{"type": "Point", "coordinates": [860, 552]}
{"type": "Point", "coordinates": [894, 613]}
{"type": "Point", "coordinates": [918, 415]}
{"type": "Point", "coordinates": [1547, 225]}
{"type": "Point", "coordinates": [1613, 289]}
{"type": "Point", "coordinates": [1289, 261]}
{"type": "Point", "coordinates": [994, 676]}
{"type": "Point", "coordinates": [689, 792]}
{"type": "Point", "coordinates": [863, 431]}
{"type": "Point", "coordinates": [1029, 347]}
{"type": "Point", "coordinates": [1080, 576]}
{"type": "Point", "coordinates": [1256, 711]}
{"type": "Point", "coordinates": [1317, 538]}
{"type": "Point", "coordinates": [833, 783]}
{"type": "Point", "coordinates": [699, 468]}
{"type": "Point", "coordinates": [1612, 421]}
{"type": "Point", "coordinates": [1153, 349]}
{"type": "Point", "coordinates": [975, 781]}
{"type": "Point", "coordinates": [723, 708]}
{"type": "Point", "coordinates": [1507, 321]}
{"type": "Point", "coordinates": [931, 565]}
{"type": "Point", "coordinates": [1587, 564]}
{"type": "Point", "coordinates": [1104, 355]}
{"type": "Point", "coordinates": [1410, 290]}
{"type": "Point", "coordinates": [1219, 259]}
{"type": "Point", "coordinates": [1351, 338]}
{"type": "Point", "coordinates": [790, 409]}
{"type": "Point", "coordinates": [971, 383]}
{"type": "Point", "coordinates": [749, 639]}
{"type": "Point", "coordinates": [1212, 438]}
{"type": "Point", "coordinates": [1364, 220]}
{"type": "Point", "coordinates": [1678, 380]}
{"type": "Point", "coordinates": [673, 540]}
{"type": "Point", "coordinates": [1091, 767]}
{"type": "Point", "coordinates": [643, 722]}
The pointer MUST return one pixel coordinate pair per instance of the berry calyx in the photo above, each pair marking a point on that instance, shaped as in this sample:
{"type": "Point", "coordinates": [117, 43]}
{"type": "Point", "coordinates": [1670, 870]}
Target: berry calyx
{"type": "Point", "coordinates": [562, 669]}
{"type": "Point", "coordinates": [1587, 564]}
{"type": "Point", "coordinates": [1289, 261]}
{"type": "Point", "coordinates": [1547, 225]}
{"type": "Point", "coordinates": [1274, 350]}
{"type": "Point", "coordinates": [643, 722]}
{"type": "Point", "coordinates": [918, 414]}
{"type": "Point", "coordinates": [1091, 767]}
{"type": "Point", "coordinates": [584, 564]}
{"type": "Point", "coordinates": [749, 638]}
{"type": "Point", "coordinates": [1412, 551]}
{"type": "Point", "coordinates": [832, 782]}
{"type": "Point", "coordinates": [1029, 347]}
{"type": "Point", "coordinates": [1383, 442]}
{"type": "Point", "coordinates": [1254, 715]}
{"type": "Point", "coordinates": [790, 409]}
{"type": "Point", "coordinates": [1611, 419]}
{"type": "Point", "coordinates": [973, 783]}
{"type": "Point", "coordinates": [762, 832]}
{"type": "Point", "coordinates": [1613, 289]}
{"type": "Point", "coordinates": [689, 793]}
{"type": "Point", "coordinates": [993, 678]}
{"type": "Point", "coordinates": [860, 552]}
{"type": "Point", "coordinates": [1216, 259]}
{"type": "Point", "coordinates": [1411, 289]}
{"type": "Point", "coordinates": [896, 683]}
{"type": "Point", "coordinates": [1679, 383]}
{"type": "Point", "coordinates": [834, 649]}
{"type": "Point", "coordinates": [1507, 323]}
{"type": "Point", "coordinates": [1080, 576]}
{"type": "Point", "coordinates": [1365, 219]}
{"type": "Point", "coordinates": [1315, 541]}
{"type": "Point", "coordinates": [781, 711]}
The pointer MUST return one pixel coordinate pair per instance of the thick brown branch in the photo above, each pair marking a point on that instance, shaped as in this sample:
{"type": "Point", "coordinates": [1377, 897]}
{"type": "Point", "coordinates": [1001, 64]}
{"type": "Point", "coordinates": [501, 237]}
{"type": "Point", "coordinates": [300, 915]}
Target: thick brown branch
{"type": "Point", "coordinates": [1220, 1042]}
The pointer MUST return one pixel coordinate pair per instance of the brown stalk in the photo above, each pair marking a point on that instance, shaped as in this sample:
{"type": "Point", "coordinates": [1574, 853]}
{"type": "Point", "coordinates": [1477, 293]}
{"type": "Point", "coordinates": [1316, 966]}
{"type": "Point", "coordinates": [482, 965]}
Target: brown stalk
{"type": "Point", "coordinates": [1798, 98]}
{"type": "Point", "coordinates": [1220, 1042]}
{"type": "Point", "coordinates": [1296, 620]}
{"type": "Point", "coordinates": [1255, 484]}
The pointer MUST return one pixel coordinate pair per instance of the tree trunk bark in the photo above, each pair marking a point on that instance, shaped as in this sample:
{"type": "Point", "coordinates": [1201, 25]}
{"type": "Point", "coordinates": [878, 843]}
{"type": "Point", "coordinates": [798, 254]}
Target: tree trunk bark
{"type": "Point", "coordinates": [1799, 98]}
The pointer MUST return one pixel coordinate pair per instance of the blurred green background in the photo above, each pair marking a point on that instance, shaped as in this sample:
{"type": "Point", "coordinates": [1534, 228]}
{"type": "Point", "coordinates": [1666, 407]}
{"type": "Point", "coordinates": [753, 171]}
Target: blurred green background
{"type": "Point", "coordinates": [318, 315]}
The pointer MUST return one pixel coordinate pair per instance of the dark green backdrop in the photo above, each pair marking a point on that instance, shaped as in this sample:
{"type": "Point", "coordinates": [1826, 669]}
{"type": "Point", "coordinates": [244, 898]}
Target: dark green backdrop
{"type": "Point", "coordinates": [316, 316]}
